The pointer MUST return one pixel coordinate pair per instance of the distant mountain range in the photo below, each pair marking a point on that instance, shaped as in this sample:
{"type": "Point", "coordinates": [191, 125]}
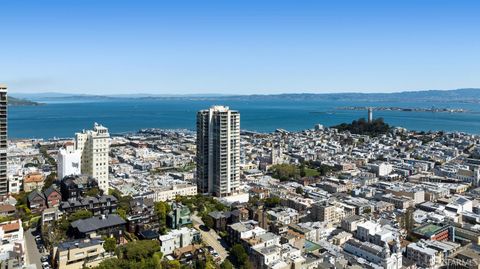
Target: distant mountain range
{"type": "Point", "coordinates": [470, 95]}
{"type": "Point", "coordinates": [21, 102]}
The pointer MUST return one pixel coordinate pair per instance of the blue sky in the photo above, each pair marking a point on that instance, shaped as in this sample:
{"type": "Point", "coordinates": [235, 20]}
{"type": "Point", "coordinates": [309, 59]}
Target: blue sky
{"type": "Point", "coordinates": [241, 47]}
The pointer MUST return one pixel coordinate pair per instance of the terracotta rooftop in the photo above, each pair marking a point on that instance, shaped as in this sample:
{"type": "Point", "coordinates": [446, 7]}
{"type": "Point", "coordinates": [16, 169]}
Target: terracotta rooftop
{"type": "Point", "coordinates": [10, 226]}
{"type": "Point", "coordinates": [5, 208]}
{"type": "Point", "coordinates": [33, 177]}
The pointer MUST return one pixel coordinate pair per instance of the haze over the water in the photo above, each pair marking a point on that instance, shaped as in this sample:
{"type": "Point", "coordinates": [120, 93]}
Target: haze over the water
{"type": "Point", "coordinates": [241, 47]}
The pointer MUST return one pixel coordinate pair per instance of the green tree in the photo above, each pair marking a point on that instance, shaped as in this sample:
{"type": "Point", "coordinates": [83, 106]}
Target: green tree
{"type": "Point", "coordinates": [209, 263]}
{"type": "Point", "coordinates": [239, 255]}
{"type": "Point", "coordinates": [208, 221]}
{"type": "Point", "coordinates": [6, 218]}
{"type": "Point", "coordinates": [157, 259]}
{"type": "Point", "coordinates": [49, 159]}
{"type": "Point", "coordinates": [63, 224]}
{"type": "Point", "coordinates": [80, 214]}
{"type": "Point", "coordinates": [121, 212]}
{"type": "Point", "coordinates": [303, 173]}
{"type": "Point", "coordinates": [361, 126]}
{"type": "Point", "coordinates": [161, 210]}
{"type": "Point", "coordinates": [143, 254]}
{"type": "Point", "coordinates": [175, 264]}
{"type": "Point", "coordinates": [123, 201]}
{"type": "Point", "coordinates": [299, 190]}
{"type": "Point", "coordinates": [285, 172]}
{"type": "Point", "coordinates": [49, 180]}
{"type": "Point", "coordinates": [110, 244]}
{"type": "Point", "coordinates": [93, 192]}
{"type": "Point", "coordinates": [226, 264]}
{"type": "Point", "coordinates": [113, 263]}
{"type": "Point", "coordinates": [138, 250]}
{"type": "Point", "coordinates": [272, 201]}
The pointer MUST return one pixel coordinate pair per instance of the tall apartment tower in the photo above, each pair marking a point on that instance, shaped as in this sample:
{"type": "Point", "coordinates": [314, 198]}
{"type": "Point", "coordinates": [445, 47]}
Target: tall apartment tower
{"type": "Point", "coordinates": [3, 140]}
{"type": "Point", "coordinates": [218, 151]}
{"type": "Point", "coordinates": [94, 147]}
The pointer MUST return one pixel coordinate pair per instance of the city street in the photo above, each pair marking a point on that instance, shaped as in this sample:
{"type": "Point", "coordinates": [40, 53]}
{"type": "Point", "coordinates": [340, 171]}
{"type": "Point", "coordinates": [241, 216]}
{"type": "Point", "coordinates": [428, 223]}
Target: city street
{"type": "Point", "coordinates": [210, 238]}
{"type": "Point", "coordinates": [32, 254]}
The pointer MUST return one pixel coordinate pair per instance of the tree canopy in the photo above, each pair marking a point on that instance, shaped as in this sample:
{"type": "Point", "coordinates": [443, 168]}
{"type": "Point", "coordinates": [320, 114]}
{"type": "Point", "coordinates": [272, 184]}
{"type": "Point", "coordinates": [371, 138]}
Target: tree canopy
{"type": "Point", "coordinates": [161, 210]}
{"type": "Point", "coordinates": [363, 127]}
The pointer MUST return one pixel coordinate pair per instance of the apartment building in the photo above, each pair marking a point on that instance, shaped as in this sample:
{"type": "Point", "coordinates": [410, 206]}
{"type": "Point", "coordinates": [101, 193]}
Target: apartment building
{"type": "Point", "coordinates": [218, 151]}
{"type": "Point", "coordinates": [79, 254]}
{"type": "Point", "coordinates": [94, 146]}
{"type": "Point", "coordinates": [3, 140]}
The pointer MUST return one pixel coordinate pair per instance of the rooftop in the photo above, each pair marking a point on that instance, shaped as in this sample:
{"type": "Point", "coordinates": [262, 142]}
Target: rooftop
{"type": "Point", "coordinates": [96, 223]}
{"type": "Point", "coordinates": [428, 229]}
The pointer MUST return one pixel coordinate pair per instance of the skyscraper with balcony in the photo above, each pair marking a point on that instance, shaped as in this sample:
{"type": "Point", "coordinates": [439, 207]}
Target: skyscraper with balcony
{"type": "Point", "coordinates": [94, 146]}
{"type": "Point", "coordinates": [218, 151]}
{"type": "Point", "coordinates": [3, 140]}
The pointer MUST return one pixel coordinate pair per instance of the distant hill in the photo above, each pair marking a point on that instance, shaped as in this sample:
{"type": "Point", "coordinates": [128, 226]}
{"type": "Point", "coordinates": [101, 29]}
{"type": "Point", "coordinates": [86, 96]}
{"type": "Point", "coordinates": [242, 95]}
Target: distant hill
{"type": "Point", "coordinates": [363, 127]}
{"type": "Point", "coordinates": [12, 101]}
{"type": "Point", "coordinates": [470, 95]}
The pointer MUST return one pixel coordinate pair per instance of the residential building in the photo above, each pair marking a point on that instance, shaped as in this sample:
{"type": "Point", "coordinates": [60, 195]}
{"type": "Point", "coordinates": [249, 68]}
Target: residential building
{"type": "Point", "coordinates": [218, 151]}
{"type": "Point", "coordinates": [12, 244]}
{"type": "Point", "coordinates": [178, 238]}
{"type": "Point", "coordinates": [220, 220]}
{"type": "Point", "coordinates": [171, 192]}
{"type": "Point", "coordinates": [7, 210]}
{"type": "Point", "coordinates": [433, 232]}
{"type": "Point", "coordinates": [79, 254]}
{"type": "Point", "coordinates": [52, 196]}
{"type": "Point", "coordinates": [98, 225]}
{"type": "Point", "coordinates": [326, 212]}
{"type": "Point", "coordinates": [68, 161]}
{"type": "Point", "coordinates": [400, 202]}
{"type": "Point", "coordinates": [3, 140]}
{"type": "Point", "coordinates": [50, 215]}
{"type": "Point", "coordinates": [74, 187]}
{"type": "Point", "coordinates": [142, 214]}
{"type": "Point", "coordinates": [243, 230]}
{"type": "Point", "coordinates": [100, 205]}
{"type": "Point", "coordinates": [178, 216]}
{"type": "Point", "coordinates": [36, 201]}
{"type": "Point", "coordinates": [422, 254]}
{"type": "Point", "coordinates": [381, 256]}
{"type": "Point", "coordinates": [15, 184]}
{"type": "Point", "coordinates": [276, 256]}
{"type": "Point", "coordinates": [284, 216]}
{"type": "Point", "coordinates": [239, 215]}
{"type": "Point", "coordinates": [350, 223]}
{"type": "Point", "coordinates": [94, 146]}
{"type": "Point", "coordinates": [33, 181]}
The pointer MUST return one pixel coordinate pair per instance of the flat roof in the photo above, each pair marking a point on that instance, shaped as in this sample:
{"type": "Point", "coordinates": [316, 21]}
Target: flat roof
{"type": "Point", "coordinates": [428, 229]}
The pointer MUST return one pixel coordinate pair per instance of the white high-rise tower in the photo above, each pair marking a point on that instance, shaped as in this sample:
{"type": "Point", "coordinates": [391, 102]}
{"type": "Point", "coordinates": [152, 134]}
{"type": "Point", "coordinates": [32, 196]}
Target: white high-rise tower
{"type": "Point", "coordinates": [94, 146]}
{"type": "Point", "coordinates": [218, 151]}
{"type": "Point", "coordinates": [3, 140]}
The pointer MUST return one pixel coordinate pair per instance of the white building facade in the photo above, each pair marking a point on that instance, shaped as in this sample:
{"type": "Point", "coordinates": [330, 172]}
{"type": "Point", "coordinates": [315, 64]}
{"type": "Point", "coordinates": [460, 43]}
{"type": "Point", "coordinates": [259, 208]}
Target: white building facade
{"type": "Point", "coordinates": [69, 161]}
{"type": "Point", "coordinates": [12, 246]}
{"type": "Point", "coordinates": [218, 151]}
{"type": "Point", "coordinates": [94, 146]}
{"type": "Point", "coordinates": [178, 239]}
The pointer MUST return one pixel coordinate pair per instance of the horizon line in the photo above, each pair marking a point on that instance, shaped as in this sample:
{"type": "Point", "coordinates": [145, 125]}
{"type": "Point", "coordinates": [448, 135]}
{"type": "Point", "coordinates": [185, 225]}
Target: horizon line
{"type": "Point", "coordinates": [240, 94]}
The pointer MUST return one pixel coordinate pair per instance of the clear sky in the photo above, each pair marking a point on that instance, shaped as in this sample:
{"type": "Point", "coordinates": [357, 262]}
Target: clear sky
{"type": "Point", "coordinates": [240, 47]}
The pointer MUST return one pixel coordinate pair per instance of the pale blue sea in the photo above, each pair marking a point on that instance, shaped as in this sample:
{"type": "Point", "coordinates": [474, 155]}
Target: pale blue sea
{"type": "Point", "coordinates": [63, 119]}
